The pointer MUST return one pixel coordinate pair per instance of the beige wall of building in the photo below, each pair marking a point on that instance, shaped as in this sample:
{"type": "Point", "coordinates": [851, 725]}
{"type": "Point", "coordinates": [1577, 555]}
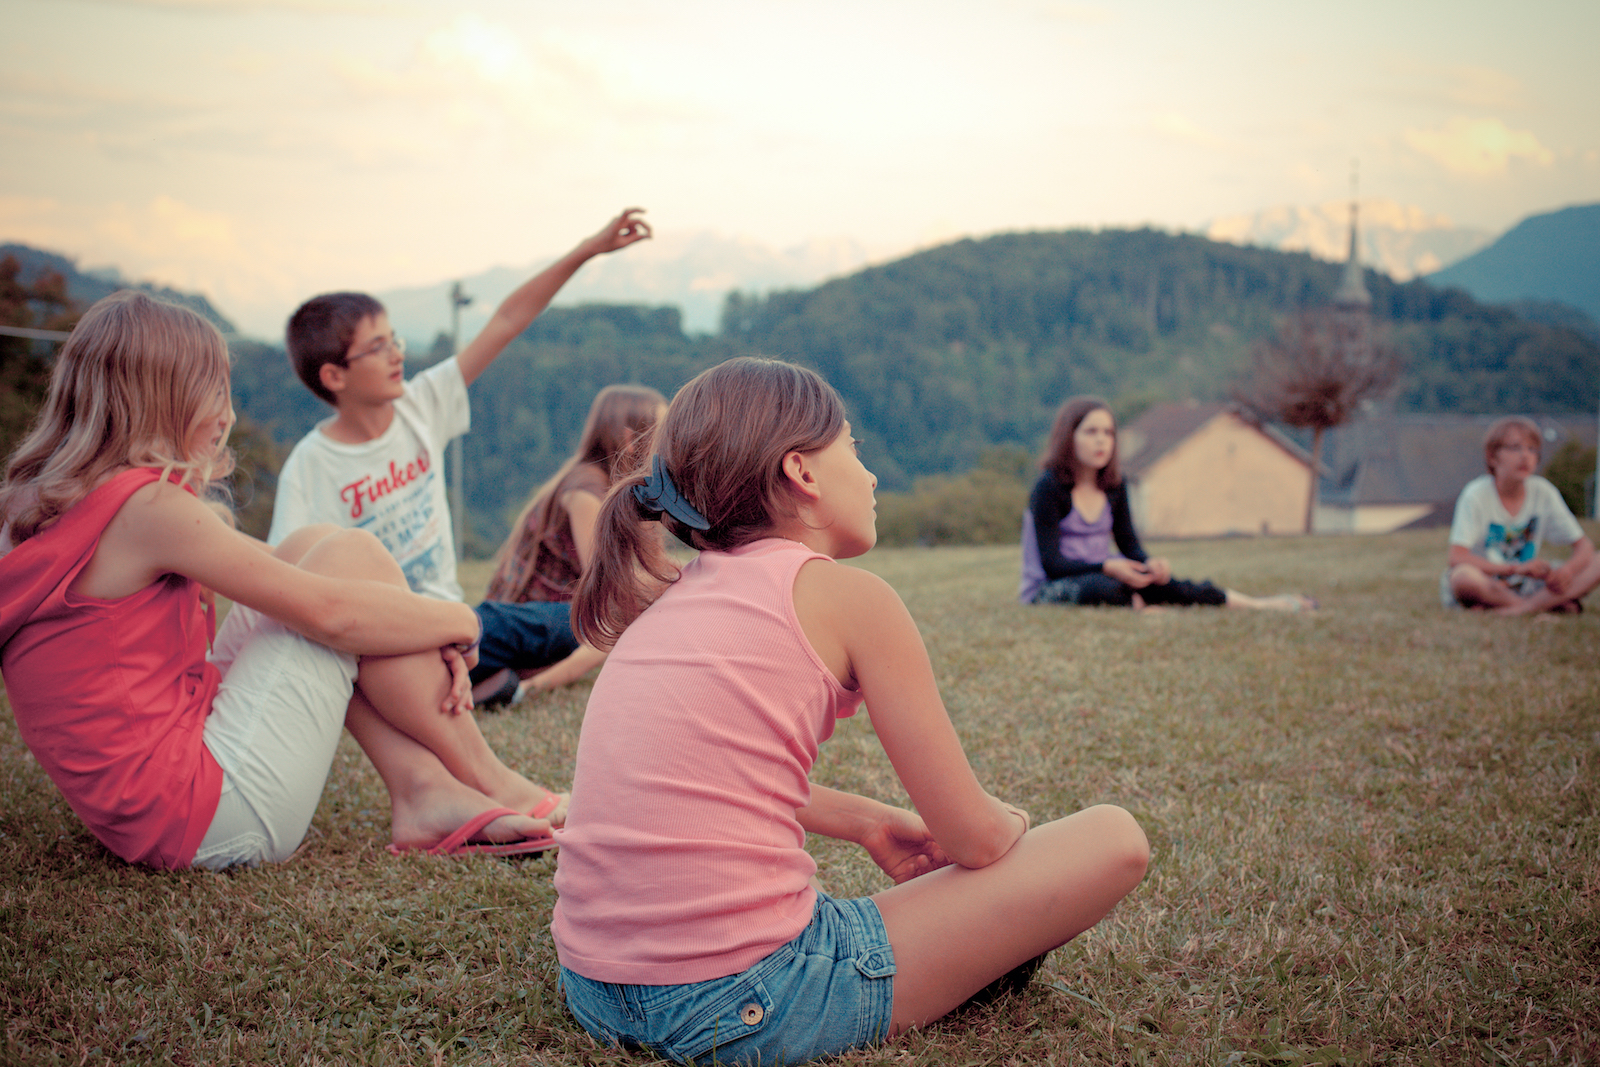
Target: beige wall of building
{"type": "Point", "coordinates": [1225, 478]}
{"type": "Point", "coordinates": [1370, 519]}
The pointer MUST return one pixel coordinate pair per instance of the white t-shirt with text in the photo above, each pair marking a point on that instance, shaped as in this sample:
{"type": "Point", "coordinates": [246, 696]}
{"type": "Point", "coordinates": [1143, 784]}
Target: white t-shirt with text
{"type": "Point", "coordinates": [392, 486]}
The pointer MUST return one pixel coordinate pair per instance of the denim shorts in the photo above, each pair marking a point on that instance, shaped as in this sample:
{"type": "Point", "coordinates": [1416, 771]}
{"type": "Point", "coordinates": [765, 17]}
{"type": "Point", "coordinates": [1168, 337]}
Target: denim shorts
{"type": "Point", "coordinates": [829, 990]}
{"type": "Point", "coordinates": [525, 636]}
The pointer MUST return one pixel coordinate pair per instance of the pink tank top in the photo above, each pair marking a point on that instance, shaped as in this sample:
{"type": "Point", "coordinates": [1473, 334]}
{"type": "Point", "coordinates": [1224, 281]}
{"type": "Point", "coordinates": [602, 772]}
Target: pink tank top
{"type": "Point", "coordinates": [682, 859]}
{"type": "Point", "coordinates": [111, 696]}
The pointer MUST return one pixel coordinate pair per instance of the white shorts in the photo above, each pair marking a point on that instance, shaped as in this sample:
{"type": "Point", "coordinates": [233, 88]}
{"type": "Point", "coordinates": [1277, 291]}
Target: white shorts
{"type": "Point", "coordinates": [273, 727]}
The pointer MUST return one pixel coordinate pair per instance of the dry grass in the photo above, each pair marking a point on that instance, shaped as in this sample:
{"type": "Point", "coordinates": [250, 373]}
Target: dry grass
{"type": "Point", "coordinates": [1374, 829]}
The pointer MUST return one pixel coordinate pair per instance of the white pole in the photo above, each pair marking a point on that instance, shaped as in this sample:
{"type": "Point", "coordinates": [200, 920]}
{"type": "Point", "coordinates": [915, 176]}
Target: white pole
{"type": "Point", "coordinates": [458, 496]}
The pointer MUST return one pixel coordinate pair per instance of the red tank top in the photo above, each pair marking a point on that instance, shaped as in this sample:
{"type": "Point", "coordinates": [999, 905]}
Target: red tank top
{"type": "Point", "coordinates": [111, 696]}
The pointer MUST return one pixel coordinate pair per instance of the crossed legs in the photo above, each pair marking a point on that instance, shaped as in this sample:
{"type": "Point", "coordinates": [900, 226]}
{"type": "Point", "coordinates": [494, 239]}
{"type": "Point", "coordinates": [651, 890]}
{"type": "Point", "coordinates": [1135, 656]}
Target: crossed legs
{"type": "Point", "coordinates": [1473, 588]}
{"type": "Point", "coordinates": [956, 930]}
{"type": "Point", "coordinates": [438, 768]}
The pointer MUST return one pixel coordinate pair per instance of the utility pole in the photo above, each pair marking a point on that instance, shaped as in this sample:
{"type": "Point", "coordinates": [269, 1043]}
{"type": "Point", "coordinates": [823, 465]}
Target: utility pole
{"type": "Point", "coordinates": [458, 497]}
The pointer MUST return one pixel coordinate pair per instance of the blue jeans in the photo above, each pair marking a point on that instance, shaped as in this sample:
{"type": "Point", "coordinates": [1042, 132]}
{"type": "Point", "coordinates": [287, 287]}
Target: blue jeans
{"type": "Point", "coordinates": [829, 990]}
{"type": "Point", "coordinates": [523, 636]}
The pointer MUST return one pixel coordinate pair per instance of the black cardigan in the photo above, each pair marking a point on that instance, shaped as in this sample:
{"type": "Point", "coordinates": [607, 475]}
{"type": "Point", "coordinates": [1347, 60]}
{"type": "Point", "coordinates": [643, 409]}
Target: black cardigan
{"type": "Point", "coordinates": [1051, 502]}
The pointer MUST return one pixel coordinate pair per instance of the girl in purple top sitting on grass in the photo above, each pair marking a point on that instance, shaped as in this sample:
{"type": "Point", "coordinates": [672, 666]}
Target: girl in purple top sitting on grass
{"type": "Point", "coordinates": [1079, 507]}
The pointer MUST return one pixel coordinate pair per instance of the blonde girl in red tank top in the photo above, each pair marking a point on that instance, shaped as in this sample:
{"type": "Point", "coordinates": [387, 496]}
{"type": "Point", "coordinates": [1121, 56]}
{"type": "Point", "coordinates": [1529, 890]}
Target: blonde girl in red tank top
{"type": "Point", "coordinates": [107, 542]}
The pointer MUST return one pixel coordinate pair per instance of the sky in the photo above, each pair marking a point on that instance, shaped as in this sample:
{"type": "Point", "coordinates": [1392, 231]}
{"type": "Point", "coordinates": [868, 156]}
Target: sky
{"type": "Point", "coordinates": [261, 151]}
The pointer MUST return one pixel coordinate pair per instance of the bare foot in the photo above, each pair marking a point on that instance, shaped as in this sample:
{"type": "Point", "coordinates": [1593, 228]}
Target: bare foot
{"type": "Point", "coordinates": [1289, 602]}
{"type": "Point", "coordinates": [434, 812]}
{"type": "Point", "coordinates": [558, 814]}
{"type": "Point", "coordinates": [513, 791]}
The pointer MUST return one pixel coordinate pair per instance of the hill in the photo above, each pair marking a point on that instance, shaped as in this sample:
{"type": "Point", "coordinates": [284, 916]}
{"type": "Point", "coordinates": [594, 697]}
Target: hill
{"type": "Point", "coordinates": [1555, 256]}
{"type": "Point", "coordinates": [951, 352]}
{"type": "Point", "coordinates": [85, 287]}
{"type": "Point", "coordinates": [974, 343]}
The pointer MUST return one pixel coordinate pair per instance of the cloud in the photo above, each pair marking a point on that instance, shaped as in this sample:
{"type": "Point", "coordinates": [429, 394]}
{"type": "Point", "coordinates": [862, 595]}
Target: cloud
{"type": "Point", "coordinates": [1478, 147]}
{"type": "Point", "coordinates": [1180, 127]}
{"type": "Point", "coordinates": [306, 7]}
{"type": "Point", "coordinates": [472, 82]}
{"type": "Point", "coordinates": [1456, 86]}
{"type": "Point", "coordinates": [1063, 12]}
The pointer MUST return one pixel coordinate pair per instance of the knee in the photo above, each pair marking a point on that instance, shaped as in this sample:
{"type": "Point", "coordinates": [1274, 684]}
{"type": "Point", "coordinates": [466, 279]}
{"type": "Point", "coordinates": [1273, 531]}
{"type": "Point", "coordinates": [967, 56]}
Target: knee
{"type": "Point", "coordinates": [345, 553]}
{"type": "Point", "coordinates": [1127, 850]}
{"type": "Point", "coordinates": [294, 547]}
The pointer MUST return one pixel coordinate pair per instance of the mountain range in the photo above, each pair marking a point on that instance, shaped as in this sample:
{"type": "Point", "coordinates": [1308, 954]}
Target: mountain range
{"type": "Point", "coordinates": [1401, 241]}
{"type": "Point", "coordinates": [958, 349]}
{"type": "Point", "coordinates": [1550, 257]}
{"type": "Point", "coordinates": [691, 271]}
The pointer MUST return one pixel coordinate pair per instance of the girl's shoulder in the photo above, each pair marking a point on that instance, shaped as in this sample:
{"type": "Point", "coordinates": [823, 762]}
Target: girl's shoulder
{"type": "Point", "coordinates": [585, 478]}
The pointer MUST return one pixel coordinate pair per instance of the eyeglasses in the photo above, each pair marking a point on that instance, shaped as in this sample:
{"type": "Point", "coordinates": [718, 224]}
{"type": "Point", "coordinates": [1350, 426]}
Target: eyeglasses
{"type": "Point", "coordinates": [378, 347]}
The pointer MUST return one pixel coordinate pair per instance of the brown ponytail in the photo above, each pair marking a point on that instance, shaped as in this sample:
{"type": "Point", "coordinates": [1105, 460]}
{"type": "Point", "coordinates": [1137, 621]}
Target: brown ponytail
{"type": "Point", "coordinates": [722, 443]}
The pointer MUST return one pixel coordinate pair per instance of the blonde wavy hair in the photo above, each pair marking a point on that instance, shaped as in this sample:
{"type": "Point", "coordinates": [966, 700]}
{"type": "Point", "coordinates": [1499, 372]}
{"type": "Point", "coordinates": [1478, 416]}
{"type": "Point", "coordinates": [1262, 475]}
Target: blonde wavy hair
{"type": "Point", "coordinates": [133, 380]}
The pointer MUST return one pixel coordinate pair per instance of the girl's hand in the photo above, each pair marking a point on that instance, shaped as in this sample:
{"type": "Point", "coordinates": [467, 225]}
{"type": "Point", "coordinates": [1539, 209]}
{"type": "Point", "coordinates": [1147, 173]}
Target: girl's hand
{"type": "Point", "coordinates": [1556, 580]}
{"type": "Point", "coordinates": [1129, 573]}
{"type": "Point", "coordinates": [1534, 568]}
{"type": "Point", "coordinates": [1160, 571]}
{"type": "Point", "coordinates": [902, 847]}
{"type": "Point", "coordinates": [458, 701]}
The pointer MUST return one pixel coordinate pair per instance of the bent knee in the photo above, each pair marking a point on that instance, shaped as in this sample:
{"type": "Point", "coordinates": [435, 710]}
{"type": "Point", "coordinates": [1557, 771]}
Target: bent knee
{"type": "Point", "coordinates": [298, 543]}
{"type": "Point", "coordinates": [348, 553]}
{"type": "Point", "coordinates": [1128, 849]}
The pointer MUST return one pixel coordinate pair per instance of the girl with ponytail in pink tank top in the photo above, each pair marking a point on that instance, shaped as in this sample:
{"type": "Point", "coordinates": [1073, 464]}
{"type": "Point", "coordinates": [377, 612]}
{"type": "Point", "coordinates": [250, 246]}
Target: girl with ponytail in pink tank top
{"type": "Point", "coordinates": [689, 922]}
{"type": "Point", "coordinates": [177, 750]}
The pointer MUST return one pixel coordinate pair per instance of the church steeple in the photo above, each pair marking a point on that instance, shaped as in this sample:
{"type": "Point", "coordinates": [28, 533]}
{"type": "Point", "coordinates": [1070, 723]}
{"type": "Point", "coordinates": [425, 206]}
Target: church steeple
{"type": "Point", "coordinates": [1352, 291]}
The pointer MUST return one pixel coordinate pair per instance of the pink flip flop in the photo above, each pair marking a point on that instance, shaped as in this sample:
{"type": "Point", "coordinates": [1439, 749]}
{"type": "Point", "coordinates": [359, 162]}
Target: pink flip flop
{"type": "Point", "coordinates": [457, 844]}
{"type": "Point", "coordinates": [550, 803]}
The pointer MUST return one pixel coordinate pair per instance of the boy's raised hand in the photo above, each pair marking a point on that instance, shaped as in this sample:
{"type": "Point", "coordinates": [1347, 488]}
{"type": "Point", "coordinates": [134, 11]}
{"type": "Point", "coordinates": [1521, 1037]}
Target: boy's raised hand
{"type": "Point", "coordinates": [528, 300]}
{"type": "Point", "coordinates": [626, 229]}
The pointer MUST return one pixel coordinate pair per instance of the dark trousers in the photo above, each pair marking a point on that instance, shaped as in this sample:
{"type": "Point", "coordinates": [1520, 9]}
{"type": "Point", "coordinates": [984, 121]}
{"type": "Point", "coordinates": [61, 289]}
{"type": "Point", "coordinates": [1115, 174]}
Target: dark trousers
{"type": "Point", "coordinates": [1096, 588]}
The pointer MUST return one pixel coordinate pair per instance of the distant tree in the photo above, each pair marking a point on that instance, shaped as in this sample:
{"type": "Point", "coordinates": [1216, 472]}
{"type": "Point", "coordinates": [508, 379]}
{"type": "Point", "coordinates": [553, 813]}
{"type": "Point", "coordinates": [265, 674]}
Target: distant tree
{"type": "Point", "coordinates": [254, 484]}
{"type": "Point", "coordinates": [25, 363]}
{"type": "Point", "coordinates": [1315, 372]}
{"type": "Point", "coordinates": [1571, 470]}
{"type": "Point", "coordinates": [984, 506]}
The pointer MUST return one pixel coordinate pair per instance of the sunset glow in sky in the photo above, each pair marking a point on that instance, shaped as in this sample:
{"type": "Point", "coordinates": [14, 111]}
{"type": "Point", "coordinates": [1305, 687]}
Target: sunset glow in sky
{"type": "Point", "coordinates": [263, 150]}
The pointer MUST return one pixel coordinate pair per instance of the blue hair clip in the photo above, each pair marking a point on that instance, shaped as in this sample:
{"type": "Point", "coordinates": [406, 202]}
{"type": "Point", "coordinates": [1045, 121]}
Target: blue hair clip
{"type": "Point", "coordinates": [658, 496]}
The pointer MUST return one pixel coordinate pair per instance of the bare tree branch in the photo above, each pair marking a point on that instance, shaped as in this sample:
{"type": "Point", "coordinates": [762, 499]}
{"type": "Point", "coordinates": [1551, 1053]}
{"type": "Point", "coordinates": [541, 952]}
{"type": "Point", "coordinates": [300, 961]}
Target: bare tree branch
{"type": "Point", "coordinates": [1315, 372]}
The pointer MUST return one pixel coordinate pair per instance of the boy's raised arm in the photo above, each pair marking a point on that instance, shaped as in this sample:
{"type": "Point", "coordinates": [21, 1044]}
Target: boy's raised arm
{"type": "Point", "coordinates": [517, 311]}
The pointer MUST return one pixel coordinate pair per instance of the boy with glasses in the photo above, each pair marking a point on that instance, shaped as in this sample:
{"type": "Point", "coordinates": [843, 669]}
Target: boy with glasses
{"type": "Point", "coordinates": [1500, 519]}
{"type": "Point", "coordinates": [375, 463]}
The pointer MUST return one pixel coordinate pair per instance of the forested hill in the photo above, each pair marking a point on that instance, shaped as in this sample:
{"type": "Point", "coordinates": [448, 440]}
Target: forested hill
{"type": "Point", "coordinates": [977, 341]}
{"type": "Point", "coordinates": [951, 351]}
{"type": "Point", "coordinates": [84, 287]}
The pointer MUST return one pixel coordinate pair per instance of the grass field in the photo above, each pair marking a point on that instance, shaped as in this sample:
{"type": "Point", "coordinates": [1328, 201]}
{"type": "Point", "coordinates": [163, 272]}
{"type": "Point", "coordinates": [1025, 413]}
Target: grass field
{"type": "Point", "coordinates": [1374, 828]}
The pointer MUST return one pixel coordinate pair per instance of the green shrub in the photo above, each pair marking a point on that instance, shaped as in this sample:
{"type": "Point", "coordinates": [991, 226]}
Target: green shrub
{"type": "Point", "coordinates": [981, 507]}
{"type": "Point", "coordinates": [1571, 470]}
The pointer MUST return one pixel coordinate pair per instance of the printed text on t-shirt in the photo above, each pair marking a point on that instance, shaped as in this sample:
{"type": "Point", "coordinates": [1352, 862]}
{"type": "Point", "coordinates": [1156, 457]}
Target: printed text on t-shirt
{"type": "Point", "coordinates": [367, 489]}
